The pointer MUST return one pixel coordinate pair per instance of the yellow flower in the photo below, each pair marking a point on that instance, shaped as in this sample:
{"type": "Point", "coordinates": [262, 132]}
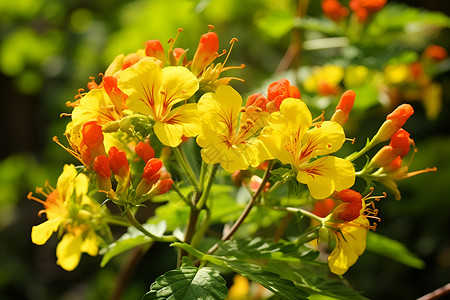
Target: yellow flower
{"type": "Point", "coordinates": [225, 141]}
{"type": "Point", "coordinates": [104, 105]}
{"type": "Point", "coordinates": [290, 139]}
{"type": "Point", "coordinates": [350, 244]}
{"type": "Point", "coordinates": [154, 92]}
{"type": "Point", "coordinates": [324, 80]}
{"type": "Point", "coordinates": [68, 207]}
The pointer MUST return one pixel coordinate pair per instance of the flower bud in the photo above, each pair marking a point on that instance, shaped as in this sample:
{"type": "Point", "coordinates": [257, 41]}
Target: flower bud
{"type": "Point", "coordinates": [255, 183]}
{"type": "Point", "coordinates": [130, 60]}
{"type": "Point", "coordinates": [153, 48]}
{"type": "Point", "coordinates": [435, 53]}
{"type": "Point", "coordinates": [118, 162]}
{"type": "Point", "coordinates": [323, 208]}
{"type": "Point", "coordinates": [334, 10]}
{"type": "Point", "coordinates": [101, 167]}
{"type": "Point", "coordinates": [206, 52]}
{"type": "Point", "coordinates": [91, 144]}
{"type": "Point", "coordinates": [394, 121]}
{"type": "Point", "coordinates": [150, 176]}
{"type": "Point", "coordinates": [145, 151]}
{"type": "Point", "coordinates": [344, 107]}
{"type": "Point", "coordinates": [278, 91]}
{"type": "Point", "coordinates": [161, 187]}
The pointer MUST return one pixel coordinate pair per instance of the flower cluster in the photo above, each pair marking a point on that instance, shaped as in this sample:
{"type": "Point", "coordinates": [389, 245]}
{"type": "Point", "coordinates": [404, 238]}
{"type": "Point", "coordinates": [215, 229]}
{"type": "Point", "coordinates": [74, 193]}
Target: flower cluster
{"type": "Point", "coordinates": [130, 133]}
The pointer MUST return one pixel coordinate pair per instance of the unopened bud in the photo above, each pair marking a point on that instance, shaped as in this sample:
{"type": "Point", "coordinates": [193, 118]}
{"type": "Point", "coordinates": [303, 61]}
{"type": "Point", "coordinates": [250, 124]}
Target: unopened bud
{"type": "Point", "coordinates": [394, 121]}
{"type": "Point", "coordinates": [154, 48]}
{"type": "Point", "coordinates": [344, 107]}
{"type": "Point", "coordinates": [206, 52]}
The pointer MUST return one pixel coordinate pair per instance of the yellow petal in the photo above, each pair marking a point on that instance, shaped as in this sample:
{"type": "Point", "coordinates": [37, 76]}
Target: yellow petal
{"type": "Point", "coordinates": [326, 175]}
{"type": "Point", "coordinates": [142, 83]}
{"type": "Point", "coordinates": [226, 102]}
{"type": "Point", "coordinates": [326, 139]}
{"type": "Point", "coordinates": [90, 244]}
{"type": "Point", "coordinates": [178, 84]}
{"type": "Point", "coordinates": [68, 251]}
{"type": "Point", "coordinates": [42, 232]}
{"type": "Point", "coordinates": [349, 246]}
{"type": "Point", "coordinates": [65, 183]}
{"type": "Point", "coordinates": [115, 66]}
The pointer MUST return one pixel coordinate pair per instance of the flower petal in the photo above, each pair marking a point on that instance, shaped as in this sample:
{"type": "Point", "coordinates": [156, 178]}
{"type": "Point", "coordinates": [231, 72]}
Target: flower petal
{"type": "Point", "coordinates": [68, 251]}
{"type": "Point", "coordinates": [326, 175]}
{"type": "Point", "coordinates": [42, 232]}
{"type": "Point", "coordinates": [142, 83]}
{"type": "Point", "coordinates": [178, 84]}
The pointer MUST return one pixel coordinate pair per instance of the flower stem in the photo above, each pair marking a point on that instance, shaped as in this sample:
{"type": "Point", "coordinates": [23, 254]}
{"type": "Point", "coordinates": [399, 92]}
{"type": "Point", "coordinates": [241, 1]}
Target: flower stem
{"type": "Point", "coordinates": [181, 158]}
{"type": "Point", "coordinates": [246, 211]}
{"type": "Point", "coordinates": [206, 189]}
{"type": "Point", "coordinates": [130, 217]}
{"type": "Point", "coordinates": [299, 210]}
{"type": "Point", "coordinates": [366, 148]}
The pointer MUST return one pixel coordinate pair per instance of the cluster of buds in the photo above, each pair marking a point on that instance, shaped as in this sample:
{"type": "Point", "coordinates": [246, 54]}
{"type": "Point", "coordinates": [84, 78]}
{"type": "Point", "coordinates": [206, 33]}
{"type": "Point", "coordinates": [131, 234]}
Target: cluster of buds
{"type": "Point", "coordinates": [363, 9]}
{"type": "Point", "coordinates": [386, 166]}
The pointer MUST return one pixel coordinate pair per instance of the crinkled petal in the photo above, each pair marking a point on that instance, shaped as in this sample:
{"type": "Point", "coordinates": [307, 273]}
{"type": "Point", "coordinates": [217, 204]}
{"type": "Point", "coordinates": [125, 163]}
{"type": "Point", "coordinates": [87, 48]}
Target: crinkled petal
{"type": "Point", "coordinates": [68, 251]}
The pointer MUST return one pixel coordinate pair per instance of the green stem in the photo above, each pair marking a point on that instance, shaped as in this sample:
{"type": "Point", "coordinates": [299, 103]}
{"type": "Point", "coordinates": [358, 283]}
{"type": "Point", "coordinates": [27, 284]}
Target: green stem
{"type": "Point", "coordinates": [130, 217]}
{"type": "Point", "coordinates": [116, 220]}
{"type": "Point", "coordinates": [181, 158]}
{"type": "Point", "coordinates": [302, 211]}
{"type": "Point", "coordinates": [177, 190]}
{"type": "Point", "coordinates": [212, 173]}
{"type": "Point", "coordinates": [246, 211]}
{"type": "Point", "coordinates": [358, 154]}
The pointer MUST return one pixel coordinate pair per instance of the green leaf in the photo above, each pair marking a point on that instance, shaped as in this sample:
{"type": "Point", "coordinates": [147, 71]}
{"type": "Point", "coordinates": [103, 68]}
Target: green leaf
{"type": "Point", "coordinates": [317, 283]}
{"type": "Point", "coordinates": [188, 283]}
{"type": "Point", "coordinates": [258, 248]}
{"type": "Point", "coordinates": [393, 249]}
{"type": "Point", "coordinates": [133, 238]}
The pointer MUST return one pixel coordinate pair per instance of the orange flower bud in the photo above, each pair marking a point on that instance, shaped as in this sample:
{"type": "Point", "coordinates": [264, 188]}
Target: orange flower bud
{"type": "Point", "coordinates": [91, 144]}
{"type": "Point", "coordinates": [344, 107]}
{"type": "Point", "coordinates": [351, 208]}
{"type": "Point", "coordinates": [150, 176]}
{"type": "Point", "coordinates": [278, 91]}
{"type": "Point", "coordinates": [394, 121]}
{"type": "Point", "coordinates": [118, 162]}
{"type": "Point", "coordinates": [257, 100]}
{"type": "Point", "coordinates": [323, 208]}
{"type": "Point", "coordinates": [145, 151]}
{"type": "Point", "coordinates": [255, 183]}
{"type": "Point", "coordinates": [401, 141]}
{"type": "Point", "coordinates": [153, 48]}
{"type": "Point", "coordinates": [435, 53]}
{"type": "Point", "coordinates": [177, 53]}
{"type": "Point", "coordinates": [162, 186]}
{"type": "Point", "coordinates": [151, 171]}
{"type": "Point", "coordinates": [206, 52]}
{"type": "Point", "coordinates": [101, 167]}
{"type": "Point", "coordinates": [334, 10]}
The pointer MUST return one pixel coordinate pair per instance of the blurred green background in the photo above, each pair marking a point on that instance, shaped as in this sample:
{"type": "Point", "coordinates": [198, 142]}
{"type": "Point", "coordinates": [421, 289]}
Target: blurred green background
{"type": "Point", "coordinates": [48, 50]}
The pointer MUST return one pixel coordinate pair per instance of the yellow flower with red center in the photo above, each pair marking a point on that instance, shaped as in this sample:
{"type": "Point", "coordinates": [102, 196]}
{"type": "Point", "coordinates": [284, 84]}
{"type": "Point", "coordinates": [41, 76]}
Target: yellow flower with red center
{"type": "Point", "coordinates": [68, 207]}
{"type": "Point", "coordinates": [154, 91]}
{"type": "Point", "coordinates": [222, 138]}
{"type": "Point", "coordinates": [292, 138]}
{"type": "Point", "coordinates": [346, 218]}
{"type": "Point", "coordinates": [104, 105]}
